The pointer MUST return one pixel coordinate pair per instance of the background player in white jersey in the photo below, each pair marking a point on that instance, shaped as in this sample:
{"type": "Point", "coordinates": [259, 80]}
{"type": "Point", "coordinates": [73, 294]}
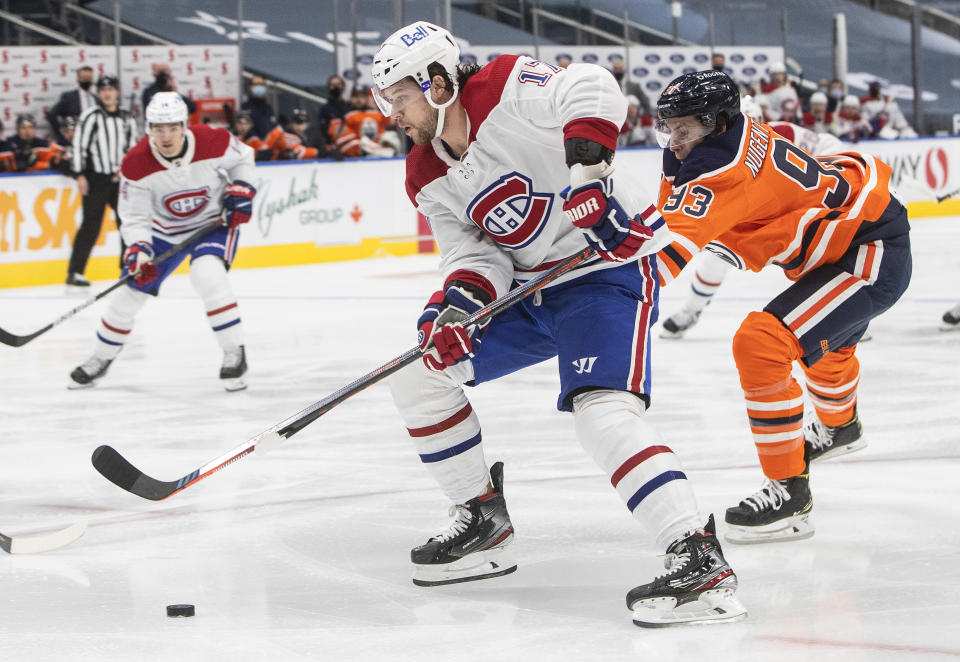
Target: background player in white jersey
{"type": "Point", "coordinates": [171, 185]}
{"type": "Point", "coordinates": [712, 268]}
{"type": "Point", "coordinates": [495, 148]}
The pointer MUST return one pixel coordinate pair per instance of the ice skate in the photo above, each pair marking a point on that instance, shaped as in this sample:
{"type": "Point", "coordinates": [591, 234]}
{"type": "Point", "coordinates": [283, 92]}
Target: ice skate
{"type": "Point", "coordinates": [233, 368]}
{"type": "Point", "coordinates": [88, 373]}
{"type": "Point", "coordinates": [677, 324]}
{"type": "Point", "coordinates": [951, 319]}
{"type": "Point", "coordinates": [779, 510]}
{"type": "Point", "coordinates": [699, 586]}
{"type": "Point", "coordinates": [77, 280]}
{"type": "Point", "coordinates": [472, 547]}
{"type": "Point", "coordinates": [823, 441]}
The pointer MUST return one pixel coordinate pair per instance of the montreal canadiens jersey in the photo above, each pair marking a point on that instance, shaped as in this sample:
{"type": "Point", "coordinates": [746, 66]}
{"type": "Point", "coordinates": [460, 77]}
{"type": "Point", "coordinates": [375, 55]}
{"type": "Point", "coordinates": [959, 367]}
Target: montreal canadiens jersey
{"type": "Point", "coordinates": [173, 198]}
{"type": "Point", "coordinates": [813, 142]}
{"type": "Point", "coordinates": [756, 199]}
{"type": "Point", "coordinates": [497, 211]}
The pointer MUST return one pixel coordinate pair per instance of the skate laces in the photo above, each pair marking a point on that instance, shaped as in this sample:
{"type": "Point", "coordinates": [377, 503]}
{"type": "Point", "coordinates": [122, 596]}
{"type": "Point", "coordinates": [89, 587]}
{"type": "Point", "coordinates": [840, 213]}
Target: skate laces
{"type": "Point", "coordinates": [771, 495]}
{"type": "Point", "coordinates": [93, 365]}
{"type": "Point", "coordinates": [458, 525]}
{"type": "Point", "coordinates": [232, 357]}
{"type": "Point", "coordinates": [816, 433]}
{"type": "Point", "coordinates": [684, 319]}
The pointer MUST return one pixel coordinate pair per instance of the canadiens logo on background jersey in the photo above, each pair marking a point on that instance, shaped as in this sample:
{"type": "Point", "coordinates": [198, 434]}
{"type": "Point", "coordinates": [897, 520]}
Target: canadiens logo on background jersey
{"type": "Point", "coordinates": [183, 204]}
{"type": "Point", "coordinates": [510, 211]}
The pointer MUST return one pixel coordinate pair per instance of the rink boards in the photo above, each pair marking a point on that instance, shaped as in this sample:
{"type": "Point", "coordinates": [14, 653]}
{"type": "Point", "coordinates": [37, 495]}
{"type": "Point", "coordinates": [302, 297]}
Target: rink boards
{"type": "Point", "coordinates": [321, 211]}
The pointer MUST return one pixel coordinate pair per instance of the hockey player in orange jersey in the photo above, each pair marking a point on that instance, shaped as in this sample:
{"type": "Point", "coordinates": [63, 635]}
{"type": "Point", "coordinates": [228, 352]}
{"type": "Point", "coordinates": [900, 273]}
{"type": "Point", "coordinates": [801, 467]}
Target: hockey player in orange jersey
{"type": "Point", "coordinates": [364, 130]}
{"type": "Point", "coordinates": [831, 223]}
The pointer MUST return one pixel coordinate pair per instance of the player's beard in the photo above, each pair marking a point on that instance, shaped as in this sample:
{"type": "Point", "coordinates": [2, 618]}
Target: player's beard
{"type": "Point", "coordinates": [422, 135]}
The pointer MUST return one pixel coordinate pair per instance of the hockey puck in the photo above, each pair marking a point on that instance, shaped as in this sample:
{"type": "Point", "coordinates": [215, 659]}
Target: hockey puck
{"type": "Point", "coordinates": [175, 611]}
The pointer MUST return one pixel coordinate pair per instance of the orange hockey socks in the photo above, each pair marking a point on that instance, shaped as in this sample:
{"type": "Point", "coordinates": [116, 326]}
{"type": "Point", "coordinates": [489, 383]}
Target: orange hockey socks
{"type": "Point", "coordinates": [764, 351]}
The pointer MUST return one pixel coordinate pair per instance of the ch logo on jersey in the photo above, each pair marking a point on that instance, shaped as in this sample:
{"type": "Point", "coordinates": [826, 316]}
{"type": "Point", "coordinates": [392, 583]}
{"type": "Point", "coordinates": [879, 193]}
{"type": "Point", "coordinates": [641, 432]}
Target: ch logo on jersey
{"type": "Point", "coordinates": [585, 364]}
{"type": "Point", "coordinates": [510, 211]}
{"type": "Point", "coordinates": [183, 204]}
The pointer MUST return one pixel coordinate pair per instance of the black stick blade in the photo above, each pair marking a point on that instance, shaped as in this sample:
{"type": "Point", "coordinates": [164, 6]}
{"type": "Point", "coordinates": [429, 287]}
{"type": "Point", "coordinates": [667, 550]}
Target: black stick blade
{"type": "Point", "coordinates": [118, 470]}
{"type": "Point", "coordinates": [13, 340]}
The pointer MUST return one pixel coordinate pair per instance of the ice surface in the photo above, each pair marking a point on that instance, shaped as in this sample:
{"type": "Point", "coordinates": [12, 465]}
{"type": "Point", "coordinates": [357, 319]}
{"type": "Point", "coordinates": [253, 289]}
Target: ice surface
{"type": "Point", "coordinates": [303, 554]}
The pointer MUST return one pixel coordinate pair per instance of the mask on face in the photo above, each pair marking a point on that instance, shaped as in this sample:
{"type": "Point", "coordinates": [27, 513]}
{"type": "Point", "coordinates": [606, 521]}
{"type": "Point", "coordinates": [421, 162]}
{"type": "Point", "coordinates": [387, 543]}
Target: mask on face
{"type": "Point", "coordinates": [334, 93]}
{"type": "Point", "coordinates": [258, 90]}
{"type": "Point", "coordinates": [718, 67]}
{"type": "Point", "coordinates": [836, 94]}
{"type": "Point", "coordinates": [618, 75]}
{"type": "Point", "coordinates": [85, 85]}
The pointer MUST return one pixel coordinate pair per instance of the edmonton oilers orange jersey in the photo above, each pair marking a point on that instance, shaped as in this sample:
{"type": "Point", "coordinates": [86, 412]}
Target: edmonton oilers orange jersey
{"type": "Point", "coordinates": [756, 199]}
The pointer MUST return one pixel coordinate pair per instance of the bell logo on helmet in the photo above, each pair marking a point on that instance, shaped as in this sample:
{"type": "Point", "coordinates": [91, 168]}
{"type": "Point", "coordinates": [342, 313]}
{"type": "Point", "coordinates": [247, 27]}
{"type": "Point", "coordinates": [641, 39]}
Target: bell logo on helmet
{"type": "Point", "coordinates": [415, 36]}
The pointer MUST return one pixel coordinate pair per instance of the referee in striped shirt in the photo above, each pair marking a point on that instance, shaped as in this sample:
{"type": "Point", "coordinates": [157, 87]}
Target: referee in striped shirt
{"type": "Point", "coordinates": [103, 135]}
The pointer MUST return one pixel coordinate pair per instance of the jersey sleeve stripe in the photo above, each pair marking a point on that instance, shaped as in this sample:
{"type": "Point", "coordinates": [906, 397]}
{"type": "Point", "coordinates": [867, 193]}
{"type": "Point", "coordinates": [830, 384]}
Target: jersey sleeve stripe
{"type": "Point", "coordinates": [596, 129]}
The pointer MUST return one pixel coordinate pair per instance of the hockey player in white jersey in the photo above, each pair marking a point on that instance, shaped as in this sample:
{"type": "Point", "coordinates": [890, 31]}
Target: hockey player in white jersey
{"type": "Point", "coordinates": [512, 167]}
{"type": "Point", "coordinates": [171, 185]}
{"type": "Point", "coordinates": [712, 268]}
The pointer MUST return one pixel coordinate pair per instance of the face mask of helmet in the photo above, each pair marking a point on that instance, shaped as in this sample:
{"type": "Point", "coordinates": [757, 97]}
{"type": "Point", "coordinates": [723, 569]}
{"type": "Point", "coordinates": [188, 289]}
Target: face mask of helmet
{"type": "Point", "coordinates": [684, 130]}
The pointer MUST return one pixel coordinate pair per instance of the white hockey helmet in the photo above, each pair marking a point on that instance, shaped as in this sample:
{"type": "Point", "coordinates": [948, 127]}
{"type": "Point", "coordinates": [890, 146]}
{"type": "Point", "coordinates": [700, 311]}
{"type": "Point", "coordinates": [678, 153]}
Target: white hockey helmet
{"type": "Point", "coordinates": [851, 101]}
{"type": "Point", "coordinates": [409, 52]}
{"type": "Point", "coordinates": [818, 97]}
{"type": "Point", "coordinates": [166, 108]}
{"type": "Point", "coordinates": [751, 108]}
{"type": "Point", "coordinates": [777, 67]}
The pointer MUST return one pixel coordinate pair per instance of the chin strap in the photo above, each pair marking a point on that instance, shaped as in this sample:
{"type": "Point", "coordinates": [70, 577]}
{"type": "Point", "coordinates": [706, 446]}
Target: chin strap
{"type": "Point", "coordinates": [442, 108]}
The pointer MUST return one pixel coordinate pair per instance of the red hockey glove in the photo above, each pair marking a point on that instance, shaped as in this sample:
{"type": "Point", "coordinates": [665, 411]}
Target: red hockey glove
{"type": "Point", "coordinates": [443, 340]}
{"type": "Point", "coordinates": [238, 202]}
{"type": "Point", "coordinates": [137, 260]}
{"type": "Point", "coordinates": [608, 229]}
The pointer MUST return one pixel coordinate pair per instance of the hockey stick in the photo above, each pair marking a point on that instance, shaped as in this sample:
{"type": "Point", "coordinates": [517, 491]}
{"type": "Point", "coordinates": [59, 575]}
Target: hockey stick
{"type": "Point", "coordinates": [14, 340]}
{"type": "Point", "coordinates": [41, 543]}
{"type": "Point", "coordinates": [118, 470]}
{"type": "Point", "coordinates": [941, 198]}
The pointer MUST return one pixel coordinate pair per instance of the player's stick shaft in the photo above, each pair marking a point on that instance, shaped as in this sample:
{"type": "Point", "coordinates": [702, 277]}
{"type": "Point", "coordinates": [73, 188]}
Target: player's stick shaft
{"type": "Point", "coordinates": [118, 470]}
{"type": "Point", "coordinates": [941, 198]}
{"type": "Point", "coordinates": [14, 340]}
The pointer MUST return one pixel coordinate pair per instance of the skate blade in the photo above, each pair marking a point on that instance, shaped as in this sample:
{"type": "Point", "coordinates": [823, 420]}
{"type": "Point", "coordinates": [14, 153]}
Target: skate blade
{"type": "Point", "coordinates": [841, 450]}
{"type": "Point", "coordinates": [946, 328]}
{"type": "Point", "coordinates": [473, 567]}
{"type": "Point", "coordinates": [670, 335]}
{"type": "Point", "coordinates": [232, 385]}
{"type": "Point", "coordinates": [716, 606]}
{"type": "Point", "coordinates": [77, 386]}
{"type": "Point", "coordinates": [791, 528]}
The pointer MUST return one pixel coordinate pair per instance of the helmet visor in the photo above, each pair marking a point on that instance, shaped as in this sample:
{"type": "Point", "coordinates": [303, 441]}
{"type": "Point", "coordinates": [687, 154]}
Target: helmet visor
{"type": "Point", "coordinates": [676, 131]}
{"type": "Point", "coordinates": [397, 97]}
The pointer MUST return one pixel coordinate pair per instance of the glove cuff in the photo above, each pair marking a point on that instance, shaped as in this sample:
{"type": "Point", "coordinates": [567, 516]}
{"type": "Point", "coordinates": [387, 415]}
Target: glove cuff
{"type": "Point", "coordinates": [476, 285]}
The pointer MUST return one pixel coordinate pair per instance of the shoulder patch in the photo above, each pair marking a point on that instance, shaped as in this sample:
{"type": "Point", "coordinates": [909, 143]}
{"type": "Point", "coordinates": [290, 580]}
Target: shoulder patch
{"type": "Point", "coordinates": [139, 161]}
{"type": "Point", "coordinates": [423, 166]}
{"type": "Point", "coordinates": [483, 91]}
{"type": "Point", "coordinates": [211, 142]}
